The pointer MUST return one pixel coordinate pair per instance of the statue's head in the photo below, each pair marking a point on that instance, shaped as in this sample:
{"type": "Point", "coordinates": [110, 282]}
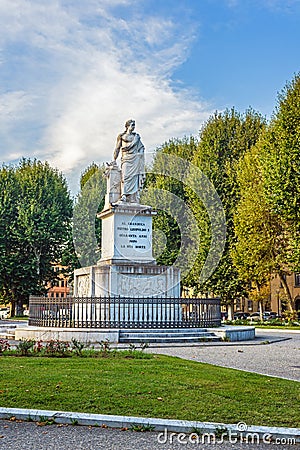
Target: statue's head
{"type": "Point", "coordinates": [130, 122]}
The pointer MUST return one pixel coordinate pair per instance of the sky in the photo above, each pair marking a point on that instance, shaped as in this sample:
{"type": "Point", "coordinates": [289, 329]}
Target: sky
{"type": "Point", "coordinates": [72, 72]}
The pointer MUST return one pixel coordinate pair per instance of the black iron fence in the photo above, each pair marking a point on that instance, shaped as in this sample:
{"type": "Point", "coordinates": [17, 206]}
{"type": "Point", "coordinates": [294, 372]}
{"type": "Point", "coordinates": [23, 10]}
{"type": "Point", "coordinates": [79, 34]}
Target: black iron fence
{"type": "Point", "coordinates": [124, 312]}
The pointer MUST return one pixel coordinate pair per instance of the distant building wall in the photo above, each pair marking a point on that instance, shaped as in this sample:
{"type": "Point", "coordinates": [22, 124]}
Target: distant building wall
{"type": "Point", "coordinates": [60, 287]}
{"type": "Point", "coordinates": [277, 292]}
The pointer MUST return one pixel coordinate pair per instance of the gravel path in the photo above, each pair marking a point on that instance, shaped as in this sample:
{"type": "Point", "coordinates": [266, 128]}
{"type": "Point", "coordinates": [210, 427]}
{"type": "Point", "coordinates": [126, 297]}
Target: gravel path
{"type": "Point", "coordinates": [279, 359]}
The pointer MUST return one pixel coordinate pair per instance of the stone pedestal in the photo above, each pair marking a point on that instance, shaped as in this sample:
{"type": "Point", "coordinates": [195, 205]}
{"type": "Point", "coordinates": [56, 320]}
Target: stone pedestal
{"type": "Point", "coordinates": [127, 269]}
{"type": "Point", "coordinates": [127, 280]}
{"type": "Point", "coordinates": [127, 234]}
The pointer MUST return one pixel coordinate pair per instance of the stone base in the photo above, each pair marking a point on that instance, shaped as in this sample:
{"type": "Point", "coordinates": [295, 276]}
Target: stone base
{"type": "Point", "coordinates": [127, 280]}
{"type": "Point", "coordinates": [94, 335]}
{"type": "Point", "coordinates": [234, 333]}
{"type": "Point", "coordinates": [86, 335]}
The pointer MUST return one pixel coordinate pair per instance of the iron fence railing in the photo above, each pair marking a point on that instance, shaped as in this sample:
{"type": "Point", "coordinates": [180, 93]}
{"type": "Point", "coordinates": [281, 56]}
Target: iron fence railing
{"type": "Point", "coordinates": [124, 312]}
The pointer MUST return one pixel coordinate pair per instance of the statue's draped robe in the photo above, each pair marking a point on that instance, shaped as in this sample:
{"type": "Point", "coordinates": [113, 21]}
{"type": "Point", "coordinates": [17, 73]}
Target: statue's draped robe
{"type": "Point", "coordinates": [132, 165]}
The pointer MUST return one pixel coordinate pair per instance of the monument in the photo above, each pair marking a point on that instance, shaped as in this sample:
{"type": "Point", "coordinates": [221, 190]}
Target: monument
{"type": "Point", "coordinates": [127, 296]}
{"type": "Point", "coordinates": [127, 267]}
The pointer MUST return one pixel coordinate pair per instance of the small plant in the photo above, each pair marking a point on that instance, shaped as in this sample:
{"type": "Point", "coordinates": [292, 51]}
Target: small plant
{"type": "Point", "coordinates": [219, 431]}
{"type": "Point", "coordinates": [74, 422]}
{"type": "Point", "coordinates": [77, 346]}
{"type": "Point", "coordinates": [57, 348]}
{"type": "Point", "coordinates": [132, 347]}
{"type": "Point", "coordinates": [142, 428]}
{"type": "Point", "coordinates": [197, 431]}
{"type": "Point", "coordinates": [4, 346]}
{"type": "Point", "coordinates": [25, 346]}
{"type": "Point", "coordinates": [38, 346]}
{"type": "Point", "coordinates": [44, 420]}
{"type": "Point", "coordinates": [290, 316]}
{"type": "Point", "coordinates": [144, 346]}
{"type": "Point", "coordinates": [105, 347]}
{"type": "Point", "coordinates": [225, 339]}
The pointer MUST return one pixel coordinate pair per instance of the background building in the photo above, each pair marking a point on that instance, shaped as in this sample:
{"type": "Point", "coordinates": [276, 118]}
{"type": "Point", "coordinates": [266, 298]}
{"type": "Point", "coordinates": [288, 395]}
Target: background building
{"type": "Point", "coordinates": [60, 287]}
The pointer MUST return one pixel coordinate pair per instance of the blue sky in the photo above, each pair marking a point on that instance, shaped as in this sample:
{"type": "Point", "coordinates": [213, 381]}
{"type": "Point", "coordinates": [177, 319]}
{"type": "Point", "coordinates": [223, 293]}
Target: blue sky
{"type": "Point", "coordinates": [72, 72]}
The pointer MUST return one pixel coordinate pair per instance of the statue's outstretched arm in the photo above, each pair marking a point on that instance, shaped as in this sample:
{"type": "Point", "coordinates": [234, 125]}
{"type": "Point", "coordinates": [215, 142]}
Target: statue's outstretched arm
{"type": "Point", "coordinates": [118, 146]}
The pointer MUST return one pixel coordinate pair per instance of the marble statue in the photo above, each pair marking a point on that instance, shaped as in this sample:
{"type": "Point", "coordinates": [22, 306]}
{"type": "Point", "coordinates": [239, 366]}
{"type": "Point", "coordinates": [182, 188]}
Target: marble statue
{"type": "Point", "coordinates": [132, 163]}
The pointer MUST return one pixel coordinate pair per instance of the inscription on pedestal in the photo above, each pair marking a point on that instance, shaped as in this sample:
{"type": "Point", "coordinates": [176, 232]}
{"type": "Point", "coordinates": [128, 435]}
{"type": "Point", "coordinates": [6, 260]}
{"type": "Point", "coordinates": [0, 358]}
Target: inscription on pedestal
{"type": "Point", "coordinates": [127, 234]}
{"type": "Point", "coordinates": [134, 234]}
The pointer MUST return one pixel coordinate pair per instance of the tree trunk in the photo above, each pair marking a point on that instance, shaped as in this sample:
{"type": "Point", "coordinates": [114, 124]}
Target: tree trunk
{"type": "Point", "coordinates": [287, 292]}
{"type": "Point", "coordinates": [260, 302]}
{"type": "Point", "coordinates": [13, 308]}
{"type": "Point", "coordinates": [16, 304]}
{"type": "Point", "coordinates": [260, 307]}
{"type": "Point", "coordinates": [19, 307]}
{"type": "Point", "coordinates": [230, 311]}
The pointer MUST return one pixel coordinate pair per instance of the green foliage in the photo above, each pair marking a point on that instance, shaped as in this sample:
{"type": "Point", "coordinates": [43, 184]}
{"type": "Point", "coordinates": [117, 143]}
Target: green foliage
{"type": "Point", "coordinates": [281, 164]}
{"type": "Point", "coordinates": [223, 139]}
{"type": "Point", "coordinates": [25, 346]}
{"type": "Point", "coordinates": [105, 347]}
{"type": "Point", "coordinates": [164, 191]}
{"type": "Point", "coordinates": [35, 215]}
{"type": "Point", "coordinates": [54, 347]}
{"type": "Point", "coordinates": [261, 244]}
{"type": "Point", "coordinates": [4, 346]}
{"type": "Point", "coordinates": [77, 346]}
{"type": "Point", "coordinates": [142, 428]}
{"type": "Point", "coordinates": [266, 220]}
{"type": "Point", "coordinates": [86, 226]}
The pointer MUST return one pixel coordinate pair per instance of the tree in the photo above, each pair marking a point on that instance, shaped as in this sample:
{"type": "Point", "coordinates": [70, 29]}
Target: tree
{"type": "Point", "coordinates": [38, 197]}
{"type": "Point", "coordinates": [223, 139]}
{"type": "Point", "coordinates": [164, 191]}
{"type": "Point", "coordinates": [9, 241]}
{"type": "Point", "coordinates": [261, 239]}
{"type": "Point", "coordinates": [281, 164]}
{"type": "Point", "coordinates": [86, 226]}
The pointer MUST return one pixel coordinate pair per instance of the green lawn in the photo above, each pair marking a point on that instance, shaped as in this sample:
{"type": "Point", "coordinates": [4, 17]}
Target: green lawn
{"type": "Point", "coordinates": [189, 390]}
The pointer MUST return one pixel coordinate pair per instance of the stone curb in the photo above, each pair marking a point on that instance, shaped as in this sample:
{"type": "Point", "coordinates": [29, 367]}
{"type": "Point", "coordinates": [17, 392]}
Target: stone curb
{"type": "Point", "coordinates": [275, 330]}
{"type": "Point", "coordinates": [178, 426]}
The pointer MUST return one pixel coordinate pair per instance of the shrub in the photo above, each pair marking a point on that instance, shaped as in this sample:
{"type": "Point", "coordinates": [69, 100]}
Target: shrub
{"type": "Point", "coordinates": [4, 346]}
{"type": "Point", "coordinates": [57, 348]}
{"type": "Point", "coordinates": [77, 346]}
{"type": "Point", "coordinates": [25, 346]}
{"type": "Point", "coordinates": [105, 347]}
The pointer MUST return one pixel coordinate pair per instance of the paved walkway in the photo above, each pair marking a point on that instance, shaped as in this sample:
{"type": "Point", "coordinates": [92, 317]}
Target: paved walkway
{"type": "Point", "coordinates": [279, 359]}
{"type": "Point", "coordinates": [29, 436]}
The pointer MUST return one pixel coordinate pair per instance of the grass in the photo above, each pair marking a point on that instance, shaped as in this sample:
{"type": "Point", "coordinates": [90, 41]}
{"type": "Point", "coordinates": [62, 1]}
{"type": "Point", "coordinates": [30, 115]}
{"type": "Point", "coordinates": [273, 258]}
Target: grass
{"type": "Point", "coordinates": [162, 386]}
{"type": "Point", "coordinates": [275, 325]}
{"type": "Point", "coordinates": [18, 318]}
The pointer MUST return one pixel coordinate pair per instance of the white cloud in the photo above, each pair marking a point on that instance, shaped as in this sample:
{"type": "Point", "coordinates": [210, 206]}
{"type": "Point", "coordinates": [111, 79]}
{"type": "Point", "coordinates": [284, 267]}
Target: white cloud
{"type": "Point", "coordinates": [83, 71]}
{"type": "Point", "coordinates": [277, 6]}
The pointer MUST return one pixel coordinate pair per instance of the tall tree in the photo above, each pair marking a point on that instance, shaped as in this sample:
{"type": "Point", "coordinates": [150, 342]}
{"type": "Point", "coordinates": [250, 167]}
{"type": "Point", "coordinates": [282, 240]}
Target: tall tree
{"type": "Point", "coordinates": [42, 205]}
{"type": "Point", "coordinates": [223, 139]}
{"type": "Point", "coordinates": [86, 226]}
{"type": "Point", "coordinates": [281, 163]}
{"type": "Point", "coordinates": [165, 191]}
{"type": "Point", "coordinates": [261, 246]}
